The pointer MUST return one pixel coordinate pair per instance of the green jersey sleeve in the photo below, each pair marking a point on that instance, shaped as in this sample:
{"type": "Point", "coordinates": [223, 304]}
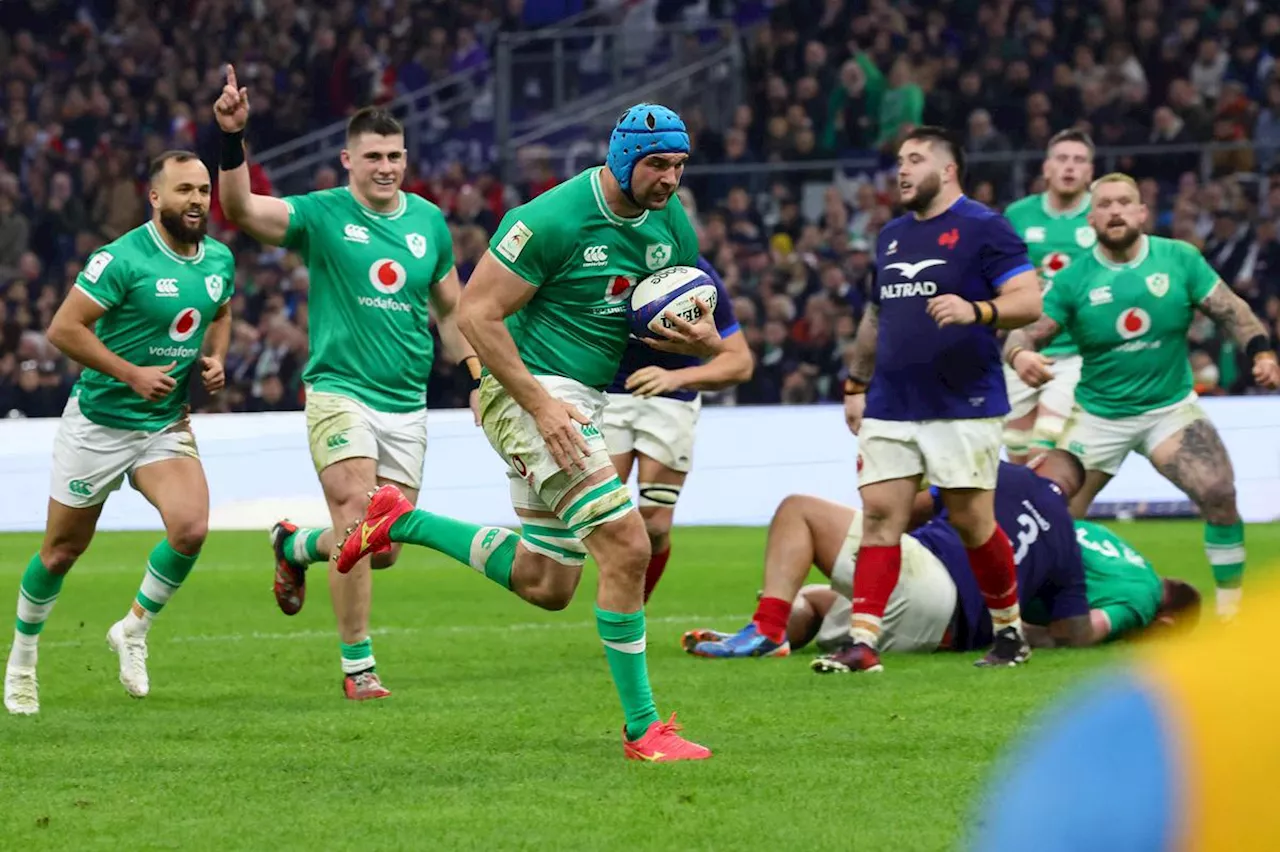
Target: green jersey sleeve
{"type": "Point", "coordinates": [1123, 619]}
{"type": "Point", "coordinates": [443, 239]}
{"type": "Point", "coordinates": [1199, 275]}
{"type": "Point", "coordinates": [533, 242]}
{"type": "Point", "coordinates": [302, 212]}
{"type": "Point", "coordinates": [1059, 301]}
{"type": "Point", "coordinates": [105, 279]}
{"type": "Point", "coordinates": [686, 237]}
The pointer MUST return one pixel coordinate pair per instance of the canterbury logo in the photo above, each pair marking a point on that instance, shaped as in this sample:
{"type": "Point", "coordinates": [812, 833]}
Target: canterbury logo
{"type": "Point", "coordinates": [167, 287]}
{"type": "Point", "coordinates": [336, 441]}
{"type": "Point", "coordinates": [80, 487]}
{"type": "Point", "coordinates": [595, 255]}
{"type": "Point", "coordinates": [911, 270]}
{"type": "Point", "coordinates": [366, 531]}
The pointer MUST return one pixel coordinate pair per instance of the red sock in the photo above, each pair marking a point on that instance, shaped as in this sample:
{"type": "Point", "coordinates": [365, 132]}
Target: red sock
{"type": "Point", "coordinates": [652, 574]}
{"type": "Point", "coordinates": [877, 573]}
{"type": "Point", "coordinates": [771, 618]}
{"type": "Point", "coordinates": [993, 567]}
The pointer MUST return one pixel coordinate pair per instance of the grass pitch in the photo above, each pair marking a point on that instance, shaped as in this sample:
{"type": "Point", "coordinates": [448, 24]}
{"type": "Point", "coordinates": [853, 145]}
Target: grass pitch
{"type": "Point", "coordinates": [503, 730]}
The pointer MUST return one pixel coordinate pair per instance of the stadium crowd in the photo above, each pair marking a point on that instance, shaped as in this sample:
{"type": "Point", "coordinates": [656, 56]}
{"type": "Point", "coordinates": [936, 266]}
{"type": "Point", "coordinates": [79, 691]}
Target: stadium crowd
{"type": "Point", "coordinates": [80, 114]}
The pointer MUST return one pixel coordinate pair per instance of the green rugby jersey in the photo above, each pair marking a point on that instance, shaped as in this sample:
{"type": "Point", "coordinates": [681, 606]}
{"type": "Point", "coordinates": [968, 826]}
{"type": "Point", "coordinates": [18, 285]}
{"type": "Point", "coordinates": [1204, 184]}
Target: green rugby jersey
{"type": "Point", "coordinates": [371, 276]}
{"type": "Point", "coordinates": [158, 305]}
{"type": "Point", "coordinates": [1054, 240]}
{"type": "Point", "coordinates": [584, 260]}
{"type": "Point", "coordinates": [1130, 323]}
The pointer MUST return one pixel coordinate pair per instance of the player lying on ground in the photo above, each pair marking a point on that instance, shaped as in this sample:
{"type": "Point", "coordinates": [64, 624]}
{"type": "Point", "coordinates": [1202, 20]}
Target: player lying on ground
{"type": "Point", "coordinates": [948, 274]}
{"type": "Point", "coordinates": [652, 416]}
{"type": "Point", "coordinates": [381, 264]}
{"type": "Point", "coordinates": [1128, 306]}
{"type": "Point", "coordinates": [935, 603]}
{"type": "Point", "coordinates": [549, 321]}
{"type": "Point", "coordinates": [136, 319]}
{"type": "Point", "coordinates": [1055, 227]}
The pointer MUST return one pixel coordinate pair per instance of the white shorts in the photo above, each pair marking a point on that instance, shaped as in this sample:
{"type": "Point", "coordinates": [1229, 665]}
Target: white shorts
{"type": "Point", "coordinates": [1058, 394]}
{"type": "Point", "coordinates": [949, 453]}
{"type": "Point", "coordinates": [1102, 444]}
{"type": "Point", "coordinates": [662, 429]}
{"type": "Point", "coordinates": [90, 461]}
{"type": "Point", "coordinates": [537, 482]}
{"type": "Point", "coordinates": [339, 428]}
{"type": "Point", "coordinates": [919, 611]}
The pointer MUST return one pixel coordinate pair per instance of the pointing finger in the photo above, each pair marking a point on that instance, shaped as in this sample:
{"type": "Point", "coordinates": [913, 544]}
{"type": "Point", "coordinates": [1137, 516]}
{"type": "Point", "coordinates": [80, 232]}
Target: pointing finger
{"type": "Point", "coordinates": [231, 77]}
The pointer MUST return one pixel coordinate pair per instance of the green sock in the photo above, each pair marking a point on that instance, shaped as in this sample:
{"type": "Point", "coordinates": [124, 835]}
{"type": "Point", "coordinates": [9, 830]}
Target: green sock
{"type": "Point", "coordinates": [624, 642]}
{"type": "Point", "coordinates": [36, 596]}
{"type": "Point", "coordinates": [358, 657]}
{"type": "Point", "coordinates": [1224, 546]}
{"type": "Point", "coordinates": [166, 571]}
{"type": "Point", "coordinates": [489, 550]}
{"type": "Point", "coordinates": [302, 547]}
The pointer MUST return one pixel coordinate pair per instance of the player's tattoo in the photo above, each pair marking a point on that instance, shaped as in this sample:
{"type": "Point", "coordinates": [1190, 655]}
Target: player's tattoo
{"type": "Point", "coordinates": [1201, 468]}
{"type": "Point", "coordinates": [1034, 336]}
{"type": "Point", "coordinates": [1232, 314]}
{"type": "Point", "coordinates": [864, 344]}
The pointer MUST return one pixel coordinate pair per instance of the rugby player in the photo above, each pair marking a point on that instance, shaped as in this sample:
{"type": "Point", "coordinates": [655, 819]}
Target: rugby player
{"type": "Point", "coordinates": [652, 416]}
{"type": "Point", "coordinates": [1054, 225]}
{"type": "Point", "coordinates": [137, 319]}
{"type": "Point", "coordinates": [550, 324]}
{"type": "Point", "coordinates": [936, 605]}
{"type": "Point", "coordinates": [948, 274]}
{"type": "Point", "coordinates": [1128, 305]}
{"type": "Point", "coordinates": [381, 263]}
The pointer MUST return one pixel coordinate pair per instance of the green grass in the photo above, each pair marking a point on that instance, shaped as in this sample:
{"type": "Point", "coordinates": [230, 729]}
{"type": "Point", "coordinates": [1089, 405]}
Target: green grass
{"type": "Point", "coordinates": [503, 732]}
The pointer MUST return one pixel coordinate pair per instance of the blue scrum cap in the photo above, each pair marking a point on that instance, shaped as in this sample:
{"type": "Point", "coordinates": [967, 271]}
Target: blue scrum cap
{"type": "Point", "coordinates": [642, 130]}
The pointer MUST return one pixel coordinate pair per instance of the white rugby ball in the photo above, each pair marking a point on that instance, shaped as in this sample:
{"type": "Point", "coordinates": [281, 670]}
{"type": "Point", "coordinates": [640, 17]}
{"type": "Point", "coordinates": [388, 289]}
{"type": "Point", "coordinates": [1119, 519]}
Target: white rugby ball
{"type": "Point", "coordinates": [675, 289]}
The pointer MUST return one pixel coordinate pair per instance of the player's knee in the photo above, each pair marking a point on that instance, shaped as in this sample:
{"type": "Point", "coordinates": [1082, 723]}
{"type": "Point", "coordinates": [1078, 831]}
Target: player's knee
{"type": "Point", "coordinates": [546, 583]}
{"type": "Point", "coordinates": [882, 526]}
{"type": "Point", "coordinates": [187, 535]}
{"type": "Point", "coordinates": [657, 525]}
{"type": "Point", "coordinates": [59, 556]}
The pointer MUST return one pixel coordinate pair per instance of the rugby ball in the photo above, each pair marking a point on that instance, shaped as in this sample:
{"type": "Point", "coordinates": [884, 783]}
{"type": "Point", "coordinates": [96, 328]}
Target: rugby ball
{"type": "Point", "coordinates": [674, 289]}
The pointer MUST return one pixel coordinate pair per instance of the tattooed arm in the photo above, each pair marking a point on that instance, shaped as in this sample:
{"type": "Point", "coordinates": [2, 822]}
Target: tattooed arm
{"type": "Point", "coordinates": [1022, 350]}
{"type": "Point", "coordinates": [861, 366]}
{"type": "Point", "coordinates": [864, 345]}
{"type": "Point", "coordinates": [1233, 315]}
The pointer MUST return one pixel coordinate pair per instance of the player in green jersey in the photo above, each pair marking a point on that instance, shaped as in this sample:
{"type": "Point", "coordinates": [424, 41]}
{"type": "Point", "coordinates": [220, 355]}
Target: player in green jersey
{"type": "Point", "coordinates": [1128, 305]}
{"type": "Point", "coordinates": [547, 311]}
{"type": "Point", "coordinates": [381, 264]}
{"type": "Point", "coordinates": [137, 318]}
{"type": "Point", "coordinates": [1126, 595]}
{"type": "Point", "coordinates": [1055, 227]}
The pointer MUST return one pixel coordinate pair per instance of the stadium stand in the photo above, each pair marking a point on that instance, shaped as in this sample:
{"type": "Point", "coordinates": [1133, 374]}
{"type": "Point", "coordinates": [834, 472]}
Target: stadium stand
{"type": "Point", "coordinates": [1188, 91]}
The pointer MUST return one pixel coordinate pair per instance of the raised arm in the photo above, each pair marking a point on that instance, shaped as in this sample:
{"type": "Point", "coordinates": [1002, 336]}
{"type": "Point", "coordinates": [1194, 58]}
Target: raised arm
{"type": "Point", "coordinates": [262, 217]}
{"type": "Point", "coordinates": [1233, 315]}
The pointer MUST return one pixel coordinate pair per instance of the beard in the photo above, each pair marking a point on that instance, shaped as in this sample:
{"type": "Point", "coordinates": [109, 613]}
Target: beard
{"type": "Point", "coordinates": [927, 189]}
{"type": "Point", "coordinates": [1120, 243]}
{"type": "Point", "coordinates": [652, 198]}
{"type": "Point", "coordinates": [178, 228]}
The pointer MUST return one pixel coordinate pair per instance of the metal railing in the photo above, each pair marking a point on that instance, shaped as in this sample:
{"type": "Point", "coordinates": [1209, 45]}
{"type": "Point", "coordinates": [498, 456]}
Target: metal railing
{"type": "Point", "coordinates": [324, 143]}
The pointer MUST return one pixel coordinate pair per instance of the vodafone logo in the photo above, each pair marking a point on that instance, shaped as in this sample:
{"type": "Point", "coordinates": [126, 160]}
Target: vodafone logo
{"type": "Point", "coordinates": [387, 276]}
{"type": "Point", "coordinates": [184, 325]}
{"type": "Point", "coordinates": [618, 289]}
{"type": "Point", "coordinates": [1134, 322]}
{"type": "Point", "coordinates": [1054, 262]}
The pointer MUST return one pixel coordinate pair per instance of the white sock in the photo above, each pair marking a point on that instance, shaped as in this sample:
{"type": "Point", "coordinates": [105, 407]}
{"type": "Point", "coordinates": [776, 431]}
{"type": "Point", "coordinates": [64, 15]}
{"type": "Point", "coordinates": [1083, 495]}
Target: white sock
{"type": "Point", "coordinates": [1229, 602]}
{"type": "Point", "coordinates": [135, 626]}
{"type": "Point", "coordinates": [23, 653]}
{"type": "Point", "coordinates": [866, 629]}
